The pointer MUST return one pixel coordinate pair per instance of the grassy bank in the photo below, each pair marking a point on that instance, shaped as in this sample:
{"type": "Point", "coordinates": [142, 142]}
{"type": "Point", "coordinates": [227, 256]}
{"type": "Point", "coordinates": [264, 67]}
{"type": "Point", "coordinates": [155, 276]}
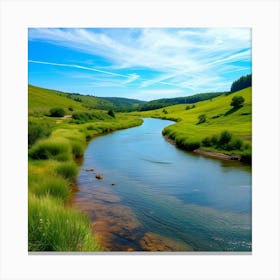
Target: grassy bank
{"type": "Point", "coordinates": [55, 145]}
{"type": "Point", "coordinates": [212, 125]}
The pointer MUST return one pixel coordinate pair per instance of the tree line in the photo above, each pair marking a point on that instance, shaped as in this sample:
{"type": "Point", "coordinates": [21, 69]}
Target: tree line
{"type": "Point", "coordinates": [241, 83]}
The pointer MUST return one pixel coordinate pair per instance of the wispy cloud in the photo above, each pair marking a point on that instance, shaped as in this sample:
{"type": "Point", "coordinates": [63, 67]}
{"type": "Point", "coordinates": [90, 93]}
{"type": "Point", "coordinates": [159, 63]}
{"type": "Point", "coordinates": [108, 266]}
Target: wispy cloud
{"type": "Point", "coordinates": [78, 67]}
{"type": "Point", "coordinates": [189, 59]}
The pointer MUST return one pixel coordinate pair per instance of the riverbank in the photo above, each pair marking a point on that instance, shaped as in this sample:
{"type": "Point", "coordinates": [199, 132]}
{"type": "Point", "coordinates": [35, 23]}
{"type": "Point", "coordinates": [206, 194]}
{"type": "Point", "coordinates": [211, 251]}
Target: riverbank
{"type": "Point", "coordinates": [162, 199]}
{"type": "Point", "coordinates": [211, 127]}
{"type": "Point", "coordinates": [52, 174]}
{"type": "Point", "coordinates": [207, 153]}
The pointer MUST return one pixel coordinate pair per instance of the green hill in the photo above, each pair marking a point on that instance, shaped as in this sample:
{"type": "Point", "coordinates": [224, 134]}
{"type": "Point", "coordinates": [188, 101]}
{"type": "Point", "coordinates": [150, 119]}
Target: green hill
{"type": "Point", "coordinates": [41, 99]}
{"type": "Point", "coordinates": [219, 117]}
{"type": "Point", "coordinates": [163, 102]}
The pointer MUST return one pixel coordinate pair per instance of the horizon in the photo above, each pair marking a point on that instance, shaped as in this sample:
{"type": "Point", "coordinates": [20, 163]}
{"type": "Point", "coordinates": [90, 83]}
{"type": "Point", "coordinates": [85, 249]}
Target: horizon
{"type": "Point", "coordinates": [138, 63]}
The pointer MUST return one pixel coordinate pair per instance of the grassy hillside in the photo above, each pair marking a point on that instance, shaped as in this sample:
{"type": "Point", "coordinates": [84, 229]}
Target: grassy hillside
{"type": "Point", "coordinates": [41, 99]}
{"type": "Point", "coordinates": [220, 116]}
{"type": "Point", "coordinates": [163, 102]}
{"type": "Point", "coordinates": [55, 145]}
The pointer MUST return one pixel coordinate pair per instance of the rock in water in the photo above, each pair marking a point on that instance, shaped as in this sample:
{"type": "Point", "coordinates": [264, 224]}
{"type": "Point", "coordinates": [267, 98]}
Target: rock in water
{"type": "Point", "coordinates": [98, 176]}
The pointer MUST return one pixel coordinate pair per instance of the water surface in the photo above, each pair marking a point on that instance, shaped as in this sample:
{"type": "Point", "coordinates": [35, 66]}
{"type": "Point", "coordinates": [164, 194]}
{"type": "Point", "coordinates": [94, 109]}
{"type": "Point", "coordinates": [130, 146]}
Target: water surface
{"type": "Point", "coordinates": [156, 197]}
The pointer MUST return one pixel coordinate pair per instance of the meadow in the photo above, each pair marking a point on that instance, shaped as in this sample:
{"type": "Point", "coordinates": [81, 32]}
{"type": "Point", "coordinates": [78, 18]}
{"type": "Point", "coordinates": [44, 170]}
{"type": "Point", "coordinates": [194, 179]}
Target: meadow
{"type": "Point", "coordinates": [55, 146]}
{"type": "Point", "coordinates": [211, 125]}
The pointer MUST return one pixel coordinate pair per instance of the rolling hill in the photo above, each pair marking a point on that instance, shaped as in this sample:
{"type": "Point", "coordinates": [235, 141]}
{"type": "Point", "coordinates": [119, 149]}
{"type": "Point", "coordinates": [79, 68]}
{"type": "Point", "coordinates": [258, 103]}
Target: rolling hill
{"type": "Point", "coordinates": [41, 99]}
{"type": "Point", "coordinates": [219, 117]}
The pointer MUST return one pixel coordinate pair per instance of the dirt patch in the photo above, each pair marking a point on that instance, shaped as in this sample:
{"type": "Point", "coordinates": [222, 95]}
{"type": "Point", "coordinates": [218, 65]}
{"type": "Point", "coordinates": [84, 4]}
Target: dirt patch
{"type": "Point", "coordinates": [217, 155]}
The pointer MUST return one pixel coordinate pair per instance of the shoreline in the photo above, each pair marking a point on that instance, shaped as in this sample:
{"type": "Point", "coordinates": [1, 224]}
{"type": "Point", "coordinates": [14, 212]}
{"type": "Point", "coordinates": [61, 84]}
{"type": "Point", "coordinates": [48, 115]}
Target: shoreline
{"type": "Point", "coordinates": [216, 155]}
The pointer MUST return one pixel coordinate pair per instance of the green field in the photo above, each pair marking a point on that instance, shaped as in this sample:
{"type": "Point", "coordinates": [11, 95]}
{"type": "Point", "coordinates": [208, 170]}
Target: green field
{"type": "Point", "coordinates": [220, 116]}
{"type": "Point", "coordinates": [55, 146]}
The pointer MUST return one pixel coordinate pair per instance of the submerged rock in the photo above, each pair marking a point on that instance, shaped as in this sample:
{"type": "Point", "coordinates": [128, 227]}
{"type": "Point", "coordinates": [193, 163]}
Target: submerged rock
{"type": "Point", "coordinates": [99, 176]}
{"type": "Point", "coordinates": [89, 169]}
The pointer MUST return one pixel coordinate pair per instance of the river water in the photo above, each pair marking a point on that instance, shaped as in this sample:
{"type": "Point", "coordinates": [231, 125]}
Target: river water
{"type": "Point", "coordinates": [156, 197]}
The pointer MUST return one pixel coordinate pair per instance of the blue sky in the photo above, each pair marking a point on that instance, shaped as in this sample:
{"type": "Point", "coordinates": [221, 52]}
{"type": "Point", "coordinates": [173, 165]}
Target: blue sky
{"type": "Point", "coordinates": [138, 63]}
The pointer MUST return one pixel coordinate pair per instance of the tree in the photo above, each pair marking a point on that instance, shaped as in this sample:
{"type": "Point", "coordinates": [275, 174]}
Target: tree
{"type": "Point", "coordinates": [237, 102]}
{"type": "Point", "coordinates": [111, 113]}
{"type": "Point", "coordinates": [242, 82]}
{"type": "Point", "coordinates": [224, 139]}
{"type": "Point", "coordinates": [201, 118]}
{"type": "Point", "coordinates": [57, 112]}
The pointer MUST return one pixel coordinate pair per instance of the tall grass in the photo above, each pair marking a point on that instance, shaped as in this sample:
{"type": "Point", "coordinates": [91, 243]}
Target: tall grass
{"type": "Point", "coordinates": [46, 185]}
{"type": "Point", "coordinates": [52, 172]}
{"type": "Point", "coordinates": [58, 149]}
{"type": "Point", "coordinates": [52, 227]}
{"type": "Point", "coordinates": [67, 170]}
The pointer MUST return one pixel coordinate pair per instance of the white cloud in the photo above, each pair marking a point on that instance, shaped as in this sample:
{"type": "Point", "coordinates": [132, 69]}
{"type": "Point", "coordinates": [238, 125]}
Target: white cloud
{"type": "Point", "coordinates": [131, 78]}
{"type": "Point", "coordinates": [181, 57]}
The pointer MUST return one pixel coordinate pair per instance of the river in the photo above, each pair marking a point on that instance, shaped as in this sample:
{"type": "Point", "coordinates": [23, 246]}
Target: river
{"type": "Point", "coordinates": [156, 197]}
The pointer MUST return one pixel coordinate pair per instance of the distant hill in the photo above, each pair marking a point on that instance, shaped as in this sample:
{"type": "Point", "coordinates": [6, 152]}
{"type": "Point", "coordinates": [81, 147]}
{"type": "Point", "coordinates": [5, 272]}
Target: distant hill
{"type": "Point", "coordinates": [160, 103]}
{"type": "Point", "coordinates": [41, 99]}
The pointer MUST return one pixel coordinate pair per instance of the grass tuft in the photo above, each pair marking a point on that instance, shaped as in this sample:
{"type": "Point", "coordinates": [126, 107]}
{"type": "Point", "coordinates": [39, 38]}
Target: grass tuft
{"type": "Point", "coordinates": [67, 170]}
{"type": "Point", "coordinates": [52, 227]}
{"type": "Point", "coordinates": [58, 149]}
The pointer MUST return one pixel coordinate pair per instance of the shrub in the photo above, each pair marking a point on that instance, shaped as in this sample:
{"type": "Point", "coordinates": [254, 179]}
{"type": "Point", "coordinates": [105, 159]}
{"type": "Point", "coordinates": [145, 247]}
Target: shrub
{"type": "Point", "coordinates": [71, 108]}
{"type": "Point", "coordinates": [51, 227]}
{"type": "Point", "coordinates": [214, 140]}
{"type": "Point", "coordinates": [206, 142]}
{"type": "Point", "coordinates": [201, 118]}
{"type": "Point", "coordinates": [224, 139]}
{"type": "Point", "coordinates": [57, 112]}
{"type": "Point", "coordinates": [111, 113]}
{"type": "Point", "coordinates": [237, 101]}
{"type": "Point", "coordinates": [37, 131]}
{"type": "Point", "coordinates": [85, 116]}
{"type": "Point", "coordinates": [67, 170]}
{"type": "Point", "coordinates": [58, 149]}
{"type": "Point", "coordinates": [235, 144]}
{"type": "Point", "coordinates": [187, 145]}
{"type": "Point", "coordinates": [188, 107]}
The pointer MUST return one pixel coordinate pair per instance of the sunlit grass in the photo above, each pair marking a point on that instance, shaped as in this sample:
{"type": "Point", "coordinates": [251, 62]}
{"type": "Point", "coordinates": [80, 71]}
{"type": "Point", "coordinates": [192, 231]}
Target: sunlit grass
{"type": "Point", "coordinates": [52, 173]}
{"type": "Point", "coordinates": [188, 134]}
{"type": "Point", "coordinates": [52, 227]}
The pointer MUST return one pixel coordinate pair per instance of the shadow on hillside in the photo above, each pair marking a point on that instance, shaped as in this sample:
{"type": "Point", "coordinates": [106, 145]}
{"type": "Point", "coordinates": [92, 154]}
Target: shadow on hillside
{"type": "Point", "coordinates": [232, 110]}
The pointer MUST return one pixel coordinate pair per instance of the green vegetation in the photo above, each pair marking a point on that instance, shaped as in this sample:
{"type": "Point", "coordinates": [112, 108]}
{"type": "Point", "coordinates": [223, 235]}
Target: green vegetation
{"type": "Point", "coordinates": [201, 119]}
{"type": "Point", "coordinates": [52, 227]}
{"type": "Point", "coordinates": [237, 102]}
{"type": "Point", "coordinates": [160, 103]}
{"type": "Point", "coordinates": [111, 113]}
{"type": "Point", "coordinates": [241, 83]}
{"type": "Point", "coordinates": [55, 142]}
{"type": "Point", "coordinates": [54, 145]}
{"type": "Point", "coordinates": [57, 112]}
{"type": "Point", "coordinates": [221, 128]}
{"type": "Point", "coordinates": [37, 131]}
